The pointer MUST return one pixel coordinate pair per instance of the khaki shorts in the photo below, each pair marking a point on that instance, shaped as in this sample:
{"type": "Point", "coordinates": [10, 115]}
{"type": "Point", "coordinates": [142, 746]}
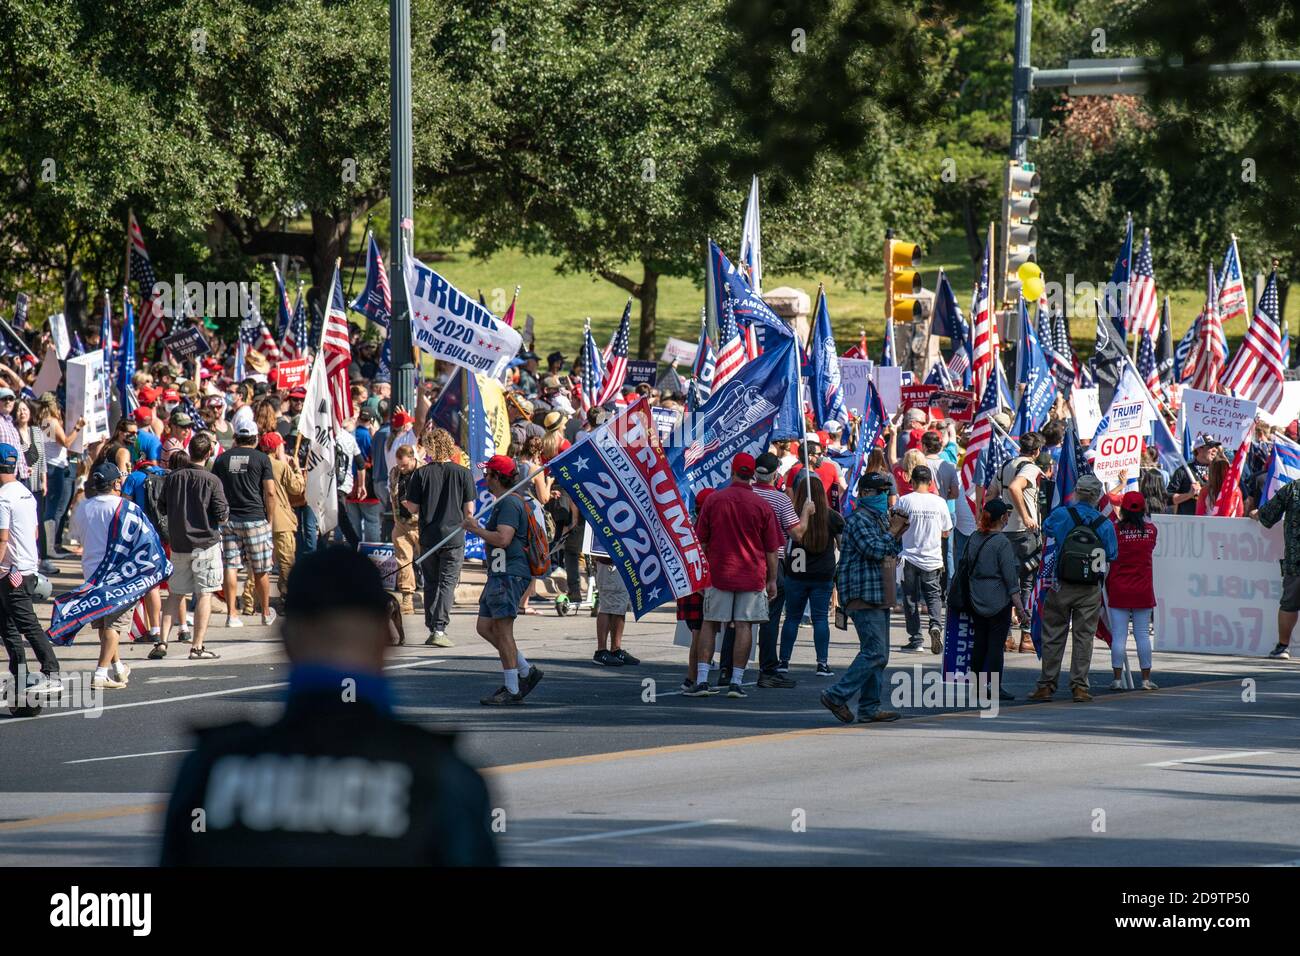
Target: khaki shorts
{"type": "Point", "coordinates": [743, 606]}
{"type": "Point", "coordinates": [611, 591]}
{"type": "Point", "coordinates": [199, 572]}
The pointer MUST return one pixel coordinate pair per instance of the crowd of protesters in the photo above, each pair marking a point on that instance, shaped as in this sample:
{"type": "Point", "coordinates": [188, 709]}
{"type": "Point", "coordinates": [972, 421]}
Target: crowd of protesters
{"type": "Point", "coordinates": [216, 464]}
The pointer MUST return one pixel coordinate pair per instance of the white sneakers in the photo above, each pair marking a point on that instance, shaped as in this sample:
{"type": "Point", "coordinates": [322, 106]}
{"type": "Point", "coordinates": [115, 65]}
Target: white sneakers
{"type": "Point", "coordinates": [1117, 684]}
{"type": "Point", "coordinates": [269, 617]}
{"type": "Point", "coordinates": [1150, 685]}
{"type": "Point", "coordinates": [232, 620]}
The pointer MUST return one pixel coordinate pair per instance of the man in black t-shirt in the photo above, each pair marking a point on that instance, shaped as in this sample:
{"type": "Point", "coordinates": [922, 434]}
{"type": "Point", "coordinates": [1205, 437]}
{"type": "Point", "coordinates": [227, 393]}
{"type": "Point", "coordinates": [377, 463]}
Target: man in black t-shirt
{"type": "Point", "coordinates": [249, 484]}
{"type": "Point", "coordinates": [1182, 489]}
{"type": "Point", "coordinates": [442, 494]}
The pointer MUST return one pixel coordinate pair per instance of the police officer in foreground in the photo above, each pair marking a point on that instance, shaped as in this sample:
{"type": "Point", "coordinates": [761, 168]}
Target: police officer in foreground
{"type": "Point", "coordinates": [337, 780]}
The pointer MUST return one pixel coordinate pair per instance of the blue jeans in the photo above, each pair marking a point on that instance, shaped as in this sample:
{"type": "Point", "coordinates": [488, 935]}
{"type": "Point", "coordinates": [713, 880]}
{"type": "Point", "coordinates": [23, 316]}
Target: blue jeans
{"type": "Point", "coordinates": [365, 519]}
{"type": "Point", "coordinates": [866, 674]}
{"type": "Point", "coordinates": [305, 536]}
{"type": "Point", "coordinates": [60, 483]}
{"type": "Point", "coordinates": [798, 594]}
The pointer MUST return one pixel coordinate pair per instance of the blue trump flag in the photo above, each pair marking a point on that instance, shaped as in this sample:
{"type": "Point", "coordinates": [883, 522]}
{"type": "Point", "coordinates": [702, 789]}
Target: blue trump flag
{"type": "Point", "coordinates": [742, 415]}
{"type": "Point", "coordinates": [132, 566]}
{"type": "Point", "coordinates": [1034, 372]}
{"type": "Point", "coordinates": [1115, 295]}
{"type": "Point", "coordinates": [824, 370]}
{"type": "Point", "coordinates": [126, 362]}
{"type": "Point", "coordinates": [873, 424]}
{"type": "Point", "coordinates": [749, 306]}
{"type": "Point", "coordinates": [1067, 468]}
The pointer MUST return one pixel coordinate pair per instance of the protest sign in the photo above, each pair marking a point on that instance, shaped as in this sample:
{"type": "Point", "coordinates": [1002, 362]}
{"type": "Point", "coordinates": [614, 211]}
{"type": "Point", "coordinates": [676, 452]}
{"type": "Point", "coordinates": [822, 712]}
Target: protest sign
{"type": "Point", "coordinates": [384, 558]}
{"type": "Point", "coordinates": [290, 374]}
{"type": "Point", "coordinates": [855, 375]}
{"type": "Point", "coordinates": [889, 383]}
{"type": "Point", "coordinates": [679, 352]}
{"type": "Point", "coordinates": [916, 396]}
{"type": "Point", "coordinates": [1119, 451]}
{"type": "Point", "coordinates": [639, 371]}
{"type": "Point", "coordinates": [954, 404]}
{"type": "Point", "coordinates": [20, 311]}
{"type": "Point", "coordinates": [1086, 403]}
{"type": "Point", "coordinates": [59, 333]}
{"type": "Point", "coordinates": [187, 344]}
{"type": "Point", "coordinates": [1217, 585]}
{"type": "Point", "coordinates": [666, 420]}
{"type": "Point", "coordinates": [48, 378]}
{"type": "Point", "coordinates": [87, 399]}
{"type": "Point", "coordinates": [1222, 417]}
{"type": "Point", "coordinates": [452, 326]}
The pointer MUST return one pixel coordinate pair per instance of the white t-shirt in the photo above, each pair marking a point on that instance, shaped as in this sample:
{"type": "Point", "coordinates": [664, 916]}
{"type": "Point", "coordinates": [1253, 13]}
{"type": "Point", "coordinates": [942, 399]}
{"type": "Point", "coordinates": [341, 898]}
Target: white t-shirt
{"type": "Point", "coordinates": [923, 539]}
{"type": "Point", "coordinates": [18, 517]}
{"type": "Point", "coordinates": [350, 448]}
{"type": "Point", "coordinates": [390, 453]}
{"type": "Point", "coordinates": [90, 525]}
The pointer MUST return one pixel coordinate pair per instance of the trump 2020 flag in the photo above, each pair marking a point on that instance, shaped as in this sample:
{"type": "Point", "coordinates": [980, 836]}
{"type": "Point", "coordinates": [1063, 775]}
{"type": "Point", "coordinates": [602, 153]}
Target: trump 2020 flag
{"type": "Point", "coordinates": [622, 484]}
{"type": "Point", "coordinates": [741, 415]}
{"type": "Point", "coordinates": [451, 326]}
{"type": "Point", "coordinates": [824, 370]}
{"type": "Point", "coordinates": [1035, 374]}
{"type": "Point", "coordinates": [134, 563]}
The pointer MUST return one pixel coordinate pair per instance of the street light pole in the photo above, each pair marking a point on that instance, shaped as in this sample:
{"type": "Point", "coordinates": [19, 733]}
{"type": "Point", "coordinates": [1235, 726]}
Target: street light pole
{"type": "Point", "coordinates": [402, 203]}
{"type": "Point", "coordinates": [1020, 83]}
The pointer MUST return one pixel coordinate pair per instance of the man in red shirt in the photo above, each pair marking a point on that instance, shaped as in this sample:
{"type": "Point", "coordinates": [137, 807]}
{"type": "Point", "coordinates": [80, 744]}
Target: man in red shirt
{"type": "Point", "coordinates": [740, 536]}
{"type": "Point", "coordinates": [825, 469]}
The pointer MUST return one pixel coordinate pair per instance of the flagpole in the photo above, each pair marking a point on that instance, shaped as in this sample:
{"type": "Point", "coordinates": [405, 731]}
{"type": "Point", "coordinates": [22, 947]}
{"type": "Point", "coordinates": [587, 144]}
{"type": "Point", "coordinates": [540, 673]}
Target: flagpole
{"type": "Point", "coordinates": [126, 262]}
{"type": "Point", "coordinates": [365, 243]}
{"type": "Point", "coordinates": [487, 510]}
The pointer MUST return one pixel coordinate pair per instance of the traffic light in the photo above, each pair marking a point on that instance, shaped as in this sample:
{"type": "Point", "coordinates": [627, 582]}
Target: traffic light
{"type": "Point", "coordinates": [905, 300]}
{"type": "Point", "coordinates": [1019, 229]}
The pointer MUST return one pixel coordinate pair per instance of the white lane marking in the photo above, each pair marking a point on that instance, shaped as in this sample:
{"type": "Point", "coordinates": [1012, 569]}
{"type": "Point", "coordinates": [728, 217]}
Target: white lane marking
{"type": "Point", "coordinates": [611, 834]}
{"type": "Point", "coordinates": [1209, 757]}
{"type": "Point", "coordinates": [176, 700]}
{"type": "Point", "coordinates": [151, 753]}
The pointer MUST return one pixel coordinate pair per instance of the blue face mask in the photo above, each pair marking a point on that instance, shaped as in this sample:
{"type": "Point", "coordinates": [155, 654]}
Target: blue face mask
{"type": "Point", "coordinates": [878, 503]}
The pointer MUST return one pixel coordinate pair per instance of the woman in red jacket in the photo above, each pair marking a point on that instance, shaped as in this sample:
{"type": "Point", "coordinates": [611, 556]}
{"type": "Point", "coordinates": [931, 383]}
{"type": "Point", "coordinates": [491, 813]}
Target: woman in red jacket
{"type": "Point", "coordinates": [1130, 590]}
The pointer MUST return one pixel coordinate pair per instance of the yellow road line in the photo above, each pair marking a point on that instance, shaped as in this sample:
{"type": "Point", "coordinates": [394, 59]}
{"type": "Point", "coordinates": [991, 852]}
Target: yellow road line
{"type": "Point", "coordinates": [81, 816]}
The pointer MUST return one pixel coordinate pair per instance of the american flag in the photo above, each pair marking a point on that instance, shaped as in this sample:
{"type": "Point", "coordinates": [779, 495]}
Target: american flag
{"type": "Point", "coordinates": [295, 336]}
{"type": "Point", "coordinates": [281, 305]}
{"type": "Point", "coordinates": [589, 393]}
{"type": "Point", "coordinates": [1001, 450]}
{"type": "Point", "coordinates": [253, 331]}
{"type": "Point", "coordinates": [980, 436]}
{"type": "Point", "coordinates": [732, 357]}
{"type": "Point", "coordinates": [984, 333]}
{"type": "Point", "coordinates": [1146, 365]}
{"type": "Point", "coordinates": [939, 375]}
{"type": "Point", "coordinates": [1256, 373]}
{"type": "Point", "coordinates": [376, 301]}
{"type": "Point", "coordinates": [1232, 289]}
{"type": "Point", "coordinates": [1204, 365]}
{"type": "Point", "coordinates": [337, 347]}
{"type": "Point", "coordinates": [152, 324]}
{"type": "Point", "coordinates": [1143, 312]}
{"type": "Point", "coordinates": [1055, 342]}
{"type": "Point", "coordinates": [615, 372]}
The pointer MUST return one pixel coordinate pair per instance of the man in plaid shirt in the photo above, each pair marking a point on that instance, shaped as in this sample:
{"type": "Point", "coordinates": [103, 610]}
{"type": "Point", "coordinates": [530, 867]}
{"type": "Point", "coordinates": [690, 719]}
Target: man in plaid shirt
{"type": "Point", "coordinates": [871, 535]}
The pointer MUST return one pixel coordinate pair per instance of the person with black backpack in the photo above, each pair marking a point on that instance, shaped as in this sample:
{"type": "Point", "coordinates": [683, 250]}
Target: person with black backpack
{"type": "Point", "coordinates": [1080, 545]}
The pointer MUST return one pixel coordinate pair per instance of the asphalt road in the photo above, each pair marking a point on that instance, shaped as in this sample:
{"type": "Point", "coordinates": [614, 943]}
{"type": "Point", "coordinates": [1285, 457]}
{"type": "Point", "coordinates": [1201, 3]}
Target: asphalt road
{"type": "Point", "coordinates": [595, 769]}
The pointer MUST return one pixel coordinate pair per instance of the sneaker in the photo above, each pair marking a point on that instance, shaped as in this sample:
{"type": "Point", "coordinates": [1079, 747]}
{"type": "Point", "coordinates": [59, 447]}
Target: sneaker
{"type": "Point", "coordinates": [783, 667]}
{"type": "Point", "coordinates": [699, 689]}
{"type": "Point", "coordinates": [44, 684]}
{"type": "Point", "coordinates": [269, 617]}
{"type": "Point", "coordinates": [48, 567]}
{"type": "Point", "coordinates": [914, 642]}
{"type": "Point", "coordinates": [526, 684]}
{"type": "Point", "coordinates": [106, 683]}
{"type": "Point", "coordinates": [501, 696]}
{"type": "Point", "coordinates": [824, 669]}
{"type": "Point", "coordinates": [625, 657]}
{"type": "Point", "coordinates": [936, 638]}
{"type": "Point", "coordinates": [184, 637]}
{"type": "Point", "coordinates": [1117, 684]}
{"type": "Point", "coordinates": [687, 686]}
{"type": "Point", "coordinates": [736, 691]}
{"type": "Point", "coordinates": [841, 711]}
{"type": "Point", "coordinates": [439, 639]}
{"type": "Point", "coordinates": [232, 620]}
{"type": "Point", "coordinates": [774, 680]}
{"type": "Point", "coordinates": [1150, 685]}
{"type": "Point", "coordinates": [123, 671]}
{"type": "Point", "coordinates": [606, 659]}
{"type": "Point", "coordinates": [1281, 653]}
{"type": "Point", "coordinates": [879, 717]}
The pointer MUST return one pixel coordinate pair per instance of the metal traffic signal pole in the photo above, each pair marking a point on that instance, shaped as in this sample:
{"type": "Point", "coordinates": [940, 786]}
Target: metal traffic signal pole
{"type": "Point", "coordinates": [402, 202]}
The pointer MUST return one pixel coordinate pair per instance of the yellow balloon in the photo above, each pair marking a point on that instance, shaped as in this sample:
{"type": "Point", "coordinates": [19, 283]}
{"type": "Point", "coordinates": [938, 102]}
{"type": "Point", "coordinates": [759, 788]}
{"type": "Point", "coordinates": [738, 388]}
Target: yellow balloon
{"type": "Point", "coordinates": [1032, 288]}
{"type": "Point", "coordinates": [1028, 271]}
